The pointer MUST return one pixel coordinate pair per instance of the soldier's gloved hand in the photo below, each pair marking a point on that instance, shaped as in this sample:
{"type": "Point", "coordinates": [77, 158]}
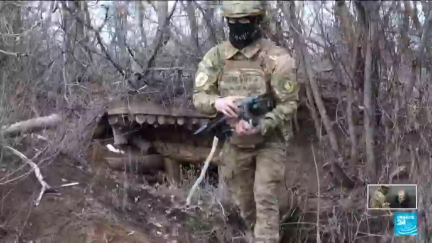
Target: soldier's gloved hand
{"type": "Point", "coordinates": [244, 128]}
{"type": "Point", "coordinates": [227, 105]}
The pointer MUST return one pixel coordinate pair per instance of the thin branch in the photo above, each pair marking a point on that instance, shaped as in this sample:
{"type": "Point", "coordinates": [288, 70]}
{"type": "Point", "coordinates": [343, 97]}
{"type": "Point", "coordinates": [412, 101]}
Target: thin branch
{"type": "Point", "coordinates": [318, 237]}
{"type": "Point", "coordinates": [419, 55]}
{"type": "Point", "coordinates": [119, 68]}
{"type": "Point", "coordinates": [208, 22]}
{"type": "Point", "coordinates": [130, 51]}
{"type": "Point", "coordinates": [170, 68]}
{"type": "Point", "coordinates": [203, 170]}
{"type": "Point", "coordinates": [38, 174]}
{"type": "Point", "coordinates": [159, 37]}
{"type": "Point", "coordinates": [22, 33]}
{"type": "Point", "coordinates": [13, 54]}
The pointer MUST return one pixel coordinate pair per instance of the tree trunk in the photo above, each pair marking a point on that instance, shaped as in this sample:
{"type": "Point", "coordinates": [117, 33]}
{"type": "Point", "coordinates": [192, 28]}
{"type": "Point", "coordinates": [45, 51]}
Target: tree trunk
{"type": "Point", "coordinates": [120, 24]}
{"type": "Point", "coordinates": [350, 99]}
{"type": "Point", "coordinates": [418, 58]}
{"type": "Point", "coordinates": [346, 23]}
{"type": "Point", "coordinates": [369, 107]}
{"type": "Point", "coordinates": [193, 27]}
{"type": "Point", "coordinates": [310, 103]}
{"type": "Point", "coordinates": [163, 21]}
{"type": "Point", "coordinates": [305, 56]}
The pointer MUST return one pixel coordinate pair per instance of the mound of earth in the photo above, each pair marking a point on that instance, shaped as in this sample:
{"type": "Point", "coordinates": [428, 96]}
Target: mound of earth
{"type": "Point", "coordinates": [106, 206]}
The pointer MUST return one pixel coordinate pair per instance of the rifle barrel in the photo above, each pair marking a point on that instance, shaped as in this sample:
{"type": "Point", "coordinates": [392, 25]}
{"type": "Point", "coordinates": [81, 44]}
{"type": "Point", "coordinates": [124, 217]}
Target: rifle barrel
{"type": "Point", "coordinates": [201, 129]}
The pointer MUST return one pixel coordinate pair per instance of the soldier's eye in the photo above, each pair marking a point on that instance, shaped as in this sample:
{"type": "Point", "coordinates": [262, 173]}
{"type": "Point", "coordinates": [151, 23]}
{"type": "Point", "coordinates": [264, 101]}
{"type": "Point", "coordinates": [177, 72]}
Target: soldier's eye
{"type": "Point", "coordinates": [244, 21]}
{"type": "Point", "coordinates": [232, 21]}
{"type": "Point", "coordinates": [239, 20]}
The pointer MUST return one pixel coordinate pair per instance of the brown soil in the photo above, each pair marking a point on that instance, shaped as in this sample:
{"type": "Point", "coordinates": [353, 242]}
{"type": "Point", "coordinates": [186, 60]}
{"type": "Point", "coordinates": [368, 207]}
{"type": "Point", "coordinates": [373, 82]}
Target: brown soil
{"type": "Point", "coordinates": [103, 208]}
{"type": "Point", "coordinates": [96, 210]}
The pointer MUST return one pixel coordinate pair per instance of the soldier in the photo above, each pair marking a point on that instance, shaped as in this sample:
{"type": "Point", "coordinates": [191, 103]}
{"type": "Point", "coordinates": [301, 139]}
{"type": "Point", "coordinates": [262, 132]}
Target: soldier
{"type": "Point", "coordinates": [378, 199]}
{"type": "Point", "coordinates": [253, 158]}
{"type": "Point", "coordinates": [402, 200]}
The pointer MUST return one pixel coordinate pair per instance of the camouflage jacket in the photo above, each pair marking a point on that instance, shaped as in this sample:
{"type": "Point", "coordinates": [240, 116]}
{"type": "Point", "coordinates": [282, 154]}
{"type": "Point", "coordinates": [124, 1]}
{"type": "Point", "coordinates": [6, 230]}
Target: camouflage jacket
{"type": "Point", "coordinates": [378, 200]}
{"type": "Point", "coordinates": [259, 68]}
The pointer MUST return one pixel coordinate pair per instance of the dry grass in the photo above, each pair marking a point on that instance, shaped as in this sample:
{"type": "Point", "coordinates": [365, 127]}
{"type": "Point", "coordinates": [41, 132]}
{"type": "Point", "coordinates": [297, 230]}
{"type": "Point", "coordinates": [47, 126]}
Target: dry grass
{"type": "Point", "coordinates": [41, 73]}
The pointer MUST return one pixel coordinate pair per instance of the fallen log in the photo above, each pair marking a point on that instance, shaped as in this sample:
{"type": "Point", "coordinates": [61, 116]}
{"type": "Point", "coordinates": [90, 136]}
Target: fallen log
{"type": "Point", "coordinates": [136, 164]}
{"type": "Point", "coordinates": [31, 125]}
{"type": "Point", "coordinates": [186, 153]}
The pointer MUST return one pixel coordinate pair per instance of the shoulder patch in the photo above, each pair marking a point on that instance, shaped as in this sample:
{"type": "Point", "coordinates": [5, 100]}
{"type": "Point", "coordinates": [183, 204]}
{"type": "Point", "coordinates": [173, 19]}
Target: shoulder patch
{"type": "Point", "coordinates": [288, 86]}
{"type": "Point", "coordinates": [201, 79]}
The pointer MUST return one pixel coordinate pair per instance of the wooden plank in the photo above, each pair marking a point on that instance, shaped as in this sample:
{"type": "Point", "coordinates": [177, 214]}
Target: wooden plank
{"type": "Point", "coordinates": [136, 164]}
{"type": "Point", "coordinates": [172, 168]}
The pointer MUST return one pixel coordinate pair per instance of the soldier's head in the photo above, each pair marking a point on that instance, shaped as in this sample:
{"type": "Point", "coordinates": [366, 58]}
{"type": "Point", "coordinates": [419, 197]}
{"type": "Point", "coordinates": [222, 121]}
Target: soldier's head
{"type": "Point", "coordinates": [243, 18]}
{"type": "Point", "coordinates": [384, 189]}
{"type": "Point", "coordinates": [401, 196]}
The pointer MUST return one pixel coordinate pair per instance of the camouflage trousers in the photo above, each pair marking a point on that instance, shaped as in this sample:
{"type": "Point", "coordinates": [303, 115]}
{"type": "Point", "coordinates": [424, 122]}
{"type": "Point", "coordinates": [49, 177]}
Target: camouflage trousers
{"type": "Point", "coordinates": [252, 177]}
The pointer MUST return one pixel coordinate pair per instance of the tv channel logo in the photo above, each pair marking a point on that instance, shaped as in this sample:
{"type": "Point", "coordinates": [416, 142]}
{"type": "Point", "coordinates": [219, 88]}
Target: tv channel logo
{"type": "Point", "coordinates": [405, 223]}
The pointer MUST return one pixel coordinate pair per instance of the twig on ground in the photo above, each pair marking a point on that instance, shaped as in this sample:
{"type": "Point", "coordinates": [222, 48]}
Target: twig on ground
{"type": "Point", "coordinates": [221, 206]}
{"type": "Point", "coordinates": [203, 171]}
{"type": "Point", "coordinates": [66, 185]}
{"type": "Point", "coordinates": [38, 174]}
{"type": "Point", "coordinates": [318, 237]}
{"type": "Point", "coordinates": [5, 180]}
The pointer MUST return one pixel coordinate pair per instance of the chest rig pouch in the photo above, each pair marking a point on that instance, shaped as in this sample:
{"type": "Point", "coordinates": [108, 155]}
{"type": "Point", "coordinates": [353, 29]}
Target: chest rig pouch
{"type": "Point", "coordinates": [244, 77]}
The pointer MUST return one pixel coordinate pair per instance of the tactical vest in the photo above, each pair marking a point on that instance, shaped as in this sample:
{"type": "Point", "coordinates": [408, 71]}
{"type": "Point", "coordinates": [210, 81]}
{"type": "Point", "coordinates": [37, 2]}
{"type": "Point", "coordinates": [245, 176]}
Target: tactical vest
{"type": "Point", "coordinates": [245, 77]}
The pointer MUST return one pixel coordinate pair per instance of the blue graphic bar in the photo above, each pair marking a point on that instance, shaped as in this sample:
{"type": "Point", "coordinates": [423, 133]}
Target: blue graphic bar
{"type": "Point", "coordinates": [405, 223]}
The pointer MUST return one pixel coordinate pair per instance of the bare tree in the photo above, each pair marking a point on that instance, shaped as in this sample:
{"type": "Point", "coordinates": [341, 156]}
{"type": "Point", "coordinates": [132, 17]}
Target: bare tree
{"type": "Point", "coordinates": [372, 105]}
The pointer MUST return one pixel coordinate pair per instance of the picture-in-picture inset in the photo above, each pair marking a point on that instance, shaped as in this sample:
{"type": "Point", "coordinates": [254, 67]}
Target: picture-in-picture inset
{"type": "Point", "coordinates": [392, 196]}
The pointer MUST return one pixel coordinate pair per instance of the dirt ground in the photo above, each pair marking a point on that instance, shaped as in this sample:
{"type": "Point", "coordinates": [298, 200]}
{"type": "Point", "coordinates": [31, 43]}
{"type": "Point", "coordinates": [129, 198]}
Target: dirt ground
{"type": "Point", "coordinates": [103, 208]}
{"type": "Point", "coordinates": [96, 210]}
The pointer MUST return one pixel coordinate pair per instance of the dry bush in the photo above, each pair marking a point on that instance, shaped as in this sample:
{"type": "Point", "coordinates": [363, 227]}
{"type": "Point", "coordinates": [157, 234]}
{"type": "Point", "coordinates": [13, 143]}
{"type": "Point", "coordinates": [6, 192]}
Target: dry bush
{"type": "Point", "coordinates": [73, 58]}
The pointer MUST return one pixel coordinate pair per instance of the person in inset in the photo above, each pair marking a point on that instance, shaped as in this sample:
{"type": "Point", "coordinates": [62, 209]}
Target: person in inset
{"type": "Point", "coordinates": [402, 200]}
{"type": "Point", "coordinates": [379, 198]}
{"type": "Point", "coordinates": [253, 157]}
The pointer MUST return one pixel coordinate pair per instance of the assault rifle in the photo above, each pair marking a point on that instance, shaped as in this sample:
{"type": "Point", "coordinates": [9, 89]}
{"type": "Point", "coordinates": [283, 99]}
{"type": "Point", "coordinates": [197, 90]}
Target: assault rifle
{"type": "Point", "coordinates": [250, 109]}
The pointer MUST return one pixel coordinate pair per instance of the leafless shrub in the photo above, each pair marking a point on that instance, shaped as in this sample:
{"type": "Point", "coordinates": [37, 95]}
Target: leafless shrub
{"type": "Point", "coordinates": [74, 58]}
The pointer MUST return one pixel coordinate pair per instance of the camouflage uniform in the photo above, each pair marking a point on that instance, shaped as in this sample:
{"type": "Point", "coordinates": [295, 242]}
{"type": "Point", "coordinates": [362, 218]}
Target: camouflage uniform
{"type": "Point", "coordinates": [378, 199]}
{"type": "Point", "coordinates": [253, 164]}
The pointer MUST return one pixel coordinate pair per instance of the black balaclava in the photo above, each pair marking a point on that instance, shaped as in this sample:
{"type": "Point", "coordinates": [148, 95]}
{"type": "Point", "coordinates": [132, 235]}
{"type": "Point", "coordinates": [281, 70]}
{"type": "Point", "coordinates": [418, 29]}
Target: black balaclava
{"type": "Point", "coordinates": [242, 35]}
